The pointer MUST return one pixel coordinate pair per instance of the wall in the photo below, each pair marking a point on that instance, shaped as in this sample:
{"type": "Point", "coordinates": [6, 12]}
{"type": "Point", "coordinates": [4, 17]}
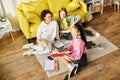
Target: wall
{"type": "Point", "coordinates": [1, 9]}
{"type": "Point", "coordinates": [10, 11]}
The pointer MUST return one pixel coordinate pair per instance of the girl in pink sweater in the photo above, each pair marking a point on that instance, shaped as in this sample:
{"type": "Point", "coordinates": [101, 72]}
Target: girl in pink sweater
{"type": "Point", "coordinates": [77, 47]}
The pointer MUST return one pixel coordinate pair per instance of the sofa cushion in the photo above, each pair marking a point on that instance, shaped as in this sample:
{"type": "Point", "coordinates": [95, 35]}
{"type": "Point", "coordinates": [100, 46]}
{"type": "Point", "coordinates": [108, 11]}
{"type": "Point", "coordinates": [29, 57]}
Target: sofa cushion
{"type": "Point", "coordinates": [79, 12]}
{"type": "Point", "coordinates": [72, 6]}
{"type": "Point", "coordinates": [24, 7]}
{"type": "Point", "coordinates": [56, 5]}
{"type": "Point", "coordinates": [33, 9]}
{"type": "Point", "coordinates": [32, 17]}
{"type": "Point", "coordinates": [34, 27]}
{"type": "Point", "coordinates": [39, 6]}
{"type": "Point", "coordinates": [29, 13]}
{"type": "Point", "coordinates": [23, 23]}
{"type": "Point", "coordinates": [55, 16]}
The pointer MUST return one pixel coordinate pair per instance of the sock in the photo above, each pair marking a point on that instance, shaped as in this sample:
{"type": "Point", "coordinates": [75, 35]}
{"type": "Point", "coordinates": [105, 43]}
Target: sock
{"type": "Point", "coordinates": [39, 50]}
{"type": "Point", "coordinates": [76, 68]}
{"type": "Point", "coordinates": [27, 46]}
{"type": "Point", "coordinates": [28, 52]}
{"type": "Point", "coordinates": [44, 51]}
{"type": "Point", "coordinates": [70, 66]}
{"type": "Point", "coordinates": [76, 65]}
{"type": "Point", "coordinates": [36, 47]}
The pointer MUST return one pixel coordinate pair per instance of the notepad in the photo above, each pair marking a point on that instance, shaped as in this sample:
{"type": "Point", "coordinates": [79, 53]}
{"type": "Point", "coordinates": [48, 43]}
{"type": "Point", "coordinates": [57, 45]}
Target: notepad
{"type": "Point", "coordinates": [49, 65]}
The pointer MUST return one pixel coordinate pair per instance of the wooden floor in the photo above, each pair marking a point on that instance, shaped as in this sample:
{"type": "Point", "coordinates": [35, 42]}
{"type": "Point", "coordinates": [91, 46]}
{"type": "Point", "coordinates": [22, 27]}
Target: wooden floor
{"type": "Point", "coordinates": [15, 66]}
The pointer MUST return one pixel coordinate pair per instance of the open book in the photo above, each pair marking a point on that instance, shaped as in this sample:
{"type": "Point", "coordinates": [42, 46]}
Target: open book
{"type": "Point", "coordinates": [58, 44]}
{"type": "Point", "coordinates": [51, 65]}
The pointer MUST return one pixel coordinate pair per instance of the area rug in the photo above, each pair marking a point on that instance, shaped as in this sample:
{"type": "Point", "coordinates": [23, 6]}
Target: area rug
{"type": "Point", "coordinates": [92, 54]}
{"type": "Point", "coordinates": [96, 53]}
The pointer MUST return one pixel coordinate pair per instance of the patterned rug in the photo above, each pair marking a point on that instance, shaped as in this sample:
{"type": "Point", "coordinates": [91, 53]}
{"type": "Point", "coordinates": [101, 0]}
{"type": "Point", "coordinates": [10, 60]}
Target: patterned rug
{"type": "Point", "coordinates": [105, 47]}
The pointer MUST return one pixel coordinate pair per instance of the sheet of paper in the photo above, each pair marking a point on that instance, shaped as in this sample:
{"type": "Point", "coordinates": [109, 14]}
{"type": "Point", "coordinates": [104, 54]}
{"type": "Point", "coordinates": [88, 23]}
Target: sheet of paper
{"type": "Point", "coordinates": [49, 65]}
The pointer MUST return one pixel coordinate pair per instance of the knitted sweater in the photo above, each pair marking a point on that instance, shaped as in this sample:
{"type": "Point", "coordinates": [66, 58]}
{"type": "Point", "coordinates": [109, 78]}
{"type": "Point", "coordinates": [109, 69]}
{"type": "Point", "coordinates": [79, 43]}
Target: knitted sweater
{"type": "Point", "coordinates": [77, 47]}
{"type": "Point", "coordinates": [48, 32]}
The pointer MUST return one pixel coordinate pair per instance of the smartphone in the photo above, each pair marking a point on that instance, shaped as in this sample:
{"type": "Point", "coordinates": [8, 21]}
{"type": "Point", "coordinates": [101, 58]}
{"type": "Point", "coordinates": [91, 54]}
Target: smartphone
{"type": "Point", "coordinates": [50, 58]}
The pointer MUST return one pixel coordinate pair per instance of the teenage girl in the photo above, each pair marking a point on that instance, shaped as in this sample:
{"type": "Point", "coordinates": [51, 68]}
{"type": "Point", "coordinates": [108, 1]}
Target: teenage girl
{"type": "Point", "coordinates": [65, 21]}
{"type": "Point", "coordinates": [77, 47]}
{"type": "Point", "coordinates": [48, 31]}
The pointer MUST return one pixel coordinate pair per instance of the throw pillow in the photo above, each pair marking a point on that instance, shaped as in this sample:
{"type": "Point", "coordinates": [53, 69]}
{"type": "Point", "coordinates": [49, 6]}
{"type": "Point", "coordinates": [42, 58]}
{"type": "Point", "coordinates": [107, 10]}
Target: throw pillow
{"type": "Point", "coordinates": [32, 17]}
{"type": "Point", "coordinates": [73, 6]}
{"type": "Point", "coordinates": [39, 6]}
{"type": "Point", "coordinates": [56, 5]}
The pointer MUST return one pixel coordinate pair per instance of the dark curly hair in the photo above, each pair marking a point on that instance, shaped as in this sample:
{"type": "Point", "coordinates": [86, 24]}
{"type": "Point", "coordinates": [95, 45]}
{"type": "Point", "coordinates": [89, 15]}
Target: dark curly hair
{"type": "Point", "coordinates": [44, 12]}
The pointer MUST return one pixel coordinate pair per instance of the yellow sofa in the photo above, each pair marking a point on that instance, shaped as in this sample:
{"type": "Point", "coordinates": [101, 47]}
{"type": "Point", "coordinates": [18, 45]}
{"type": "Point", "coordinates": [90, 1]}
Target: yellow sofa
{"type": "Point", "coordinates": [28, 14]}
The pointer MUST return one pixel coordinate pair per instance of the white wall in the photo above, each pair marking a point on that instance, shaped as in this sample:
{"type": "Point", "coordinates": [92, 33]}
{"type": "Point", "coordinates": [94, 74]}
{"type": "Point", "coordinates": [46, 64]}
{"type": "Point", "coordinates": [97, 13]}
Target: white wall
{"type": "Point", "coordinates": [1, 9]}
{"type": "Point", "coordinates": [10, 11]}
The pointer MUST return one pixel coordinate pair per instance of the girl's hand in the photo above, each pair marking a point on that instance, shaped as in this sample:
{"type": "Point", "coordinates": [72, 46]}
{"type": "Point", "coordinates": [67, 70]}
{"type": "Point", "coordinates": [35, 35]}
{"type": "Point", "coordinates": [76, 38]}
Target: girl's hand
{"type": "Point", "coordinates": [67, 58]}
{"type": "Point", "coordinates": [56, 51]}
{"type": "Point", "coordinates": [42, 43]}
{"type": "Point", "coordinates": [44, 35]}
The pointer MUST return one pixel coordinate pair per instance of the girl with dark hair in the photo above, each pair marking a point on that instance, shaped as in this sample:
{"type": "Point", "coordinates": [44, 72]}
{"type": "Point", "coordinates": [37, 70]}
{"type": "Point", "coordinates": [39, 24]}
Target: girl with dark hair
{"type": "Point", "coordinates": [48, 31]}
{"type": "Point", "coordinates": [77, 47]}
{"type": "Point", "coordinates": [43, 14]}
{"type": "Point", "coordinates": [82, 31]}
{"type": "Point", "coordinates": [64, 22]}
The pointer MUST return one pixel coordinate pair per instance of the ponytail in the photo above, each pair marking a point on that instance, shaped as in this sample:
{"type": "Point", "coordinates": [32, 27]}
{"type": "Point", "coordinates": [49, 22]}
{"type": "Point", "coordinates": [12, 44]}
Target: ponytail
{"type": "Point", "coordinates": [82, 32]}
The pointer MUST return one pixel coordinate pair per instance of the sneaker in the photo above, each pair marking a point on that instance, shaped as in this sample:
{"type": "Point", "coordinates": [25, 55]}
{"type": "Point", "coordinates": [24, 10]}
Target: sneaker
{"type": "Point", "coordinates": [76, 70]}
{"type": "Point", "coordinates": [27, 46]}
{"type": "Point", "coordinates": [71, 74]}
{"type": "Point", "coordinates": [29, 52]}
{"type": "Point", "coordinates": [66, 77]}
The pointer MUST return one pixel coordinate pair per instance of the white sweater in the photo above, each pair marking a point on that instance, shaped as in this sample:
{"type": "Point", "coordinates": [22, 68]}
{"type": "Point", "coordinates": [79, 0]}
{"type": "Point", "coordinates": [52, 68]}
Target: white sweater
{"type": "Point", "coordinates": [48, 32]}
